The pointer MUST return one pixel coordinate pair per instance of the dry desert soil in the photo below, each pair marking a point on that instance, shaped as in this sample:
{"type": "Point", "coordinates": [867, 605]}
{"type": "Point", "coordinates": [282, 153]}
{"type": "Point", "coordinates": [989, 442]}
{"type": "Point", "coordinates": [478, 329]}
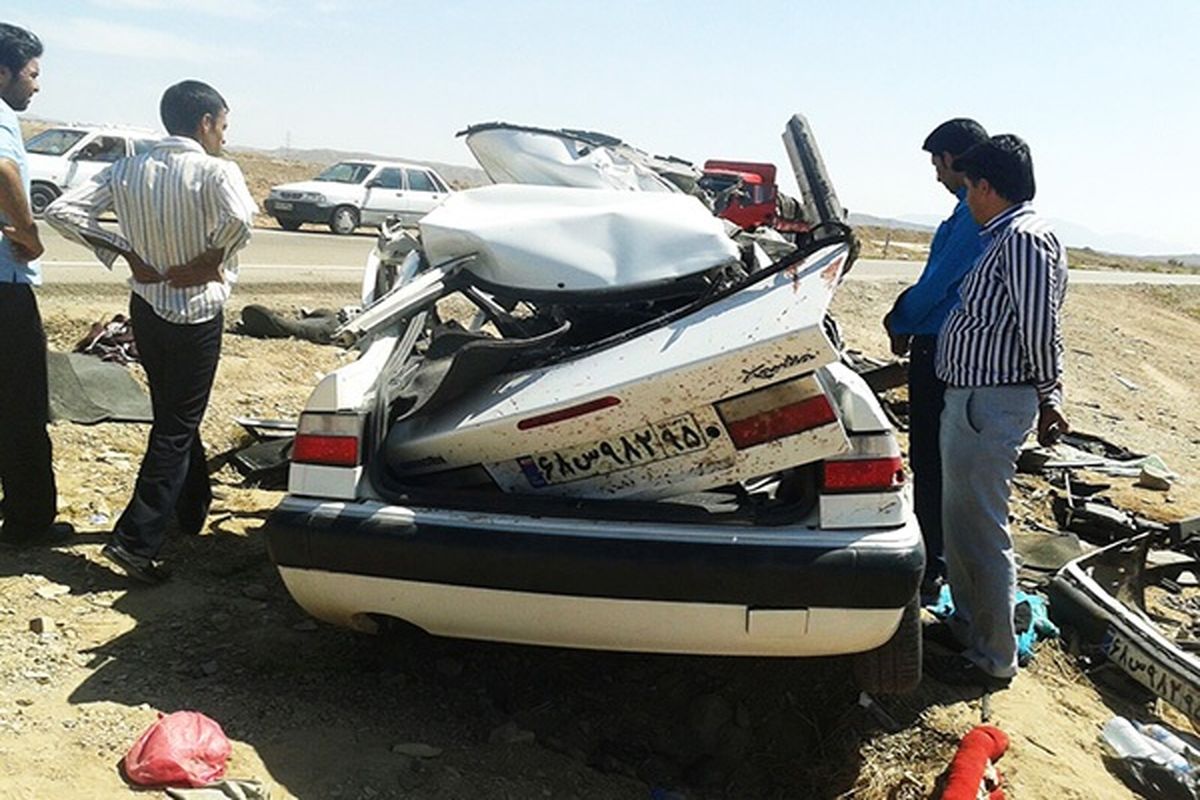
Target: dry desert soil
{"type": "Point", "coordinates": [317, 712]}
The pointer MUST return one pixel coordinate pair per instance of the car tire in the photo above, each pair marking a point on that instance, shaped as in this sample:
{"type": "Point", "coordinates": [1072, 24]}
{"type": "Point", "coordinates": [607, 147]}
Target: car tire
{"type": "Point", "coordinates": [289, 224]}
{"type": "Point", "coordinates": [40, 196]}
{"type": "Point", "coordinates": [895, 666]}
{"type": "Point", "coordinates": [344, 220]}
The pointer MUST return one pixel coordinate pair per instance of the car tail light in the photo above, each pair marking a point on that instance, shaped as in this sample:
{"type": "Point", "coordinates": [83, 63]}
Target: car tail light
{"type": "Point", "coordinates": [327, 439]}
{"type": "Point", "coordinates": [862, 475]}
{"type": "Point", "coordinates": [775, 412]}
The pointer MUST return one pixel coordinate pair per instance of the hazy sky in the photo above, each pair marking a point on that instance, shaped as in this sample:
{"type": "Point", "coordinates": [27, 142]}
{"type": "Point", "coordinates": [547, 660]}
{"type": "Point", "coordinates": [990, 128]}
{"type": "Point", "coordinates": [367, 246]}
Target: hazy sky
{"type": "Point", "coordinates": [1106, 93]}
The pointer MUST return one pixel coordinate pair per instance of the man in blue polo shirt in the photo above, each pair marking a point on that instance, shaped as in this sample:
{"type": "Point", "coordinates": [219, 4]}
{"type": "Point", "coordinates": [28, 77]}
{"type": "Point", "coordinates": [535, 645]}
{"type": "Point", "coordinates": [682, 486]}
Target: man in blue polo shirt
{"type": "Point", "coordinates": [913, 325]}
{"type": "Point", "coordinates": [26, 476]}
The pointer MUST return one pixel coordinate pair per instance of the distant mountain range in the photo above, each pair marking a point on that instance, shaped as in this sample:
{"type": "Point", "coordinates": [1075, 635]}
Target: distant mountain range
{"type": "Point", "coordinates": [1074, 235]}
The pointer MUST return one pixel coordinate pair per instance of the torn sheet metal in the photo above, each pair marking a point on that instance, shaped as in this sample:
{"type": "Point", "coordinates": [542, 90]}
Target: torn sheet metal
{"type": "Point", "coordinates": [563, 240]}
{"type": "Point", "coordinates": [581, 159]}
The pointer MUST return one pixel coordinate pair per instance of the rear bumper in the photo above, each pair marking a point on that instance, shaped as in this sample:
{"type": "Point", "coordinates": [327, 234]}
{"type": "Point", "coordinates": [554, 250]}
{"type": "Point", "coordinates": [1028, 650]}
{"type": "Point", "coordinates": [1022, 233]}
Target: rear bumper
{"type": "Point", "coordinates": [606, 585]}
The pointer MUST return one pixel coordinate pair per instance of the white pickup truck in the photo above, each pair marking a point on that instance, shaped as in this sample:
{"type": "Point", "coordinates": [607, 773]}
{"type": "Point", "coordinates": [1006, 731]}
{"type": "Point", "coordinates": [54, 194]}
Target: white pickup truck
{"type": "Point", "coordinates": [61, 158]}
{"type": "Point", "coordinates": [353, 193]}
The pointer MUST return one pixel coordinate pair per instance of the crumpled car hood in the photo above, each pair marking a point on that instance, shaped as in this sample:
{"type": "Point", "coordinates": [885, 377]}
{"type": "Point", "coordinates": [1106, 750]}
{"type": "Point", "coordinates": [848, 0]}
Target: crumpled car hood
{"type": "Point", "coordinates": [581, 159]}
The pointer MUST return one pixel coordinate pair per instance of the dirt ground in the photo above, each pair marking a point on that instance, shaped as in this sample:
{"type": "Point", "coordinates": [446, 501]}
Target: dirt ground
{"type": "Point", "coordinates": [316, 712]}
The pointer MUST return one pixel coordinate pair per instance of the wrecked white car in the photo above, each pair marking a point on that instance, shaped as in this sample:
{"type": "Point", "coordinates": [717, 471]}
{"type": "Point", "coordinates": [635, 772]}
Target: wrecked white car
{"type": "Point", "coordinates": [643, 437]}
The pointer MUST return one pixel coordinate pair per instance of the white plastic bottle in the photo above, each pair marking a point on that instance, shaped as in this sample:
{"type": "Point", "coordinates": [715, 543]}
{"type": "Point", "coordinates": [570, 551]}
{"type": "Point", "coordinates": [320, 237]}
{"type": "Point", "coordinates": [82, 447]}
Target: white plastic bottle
{"type": "Point", "coordinates": [1173, 749]}
{"type": "Point", "coordinates": [1160, 734]}
{"type": "Point", "coordinates": [1125, 740]}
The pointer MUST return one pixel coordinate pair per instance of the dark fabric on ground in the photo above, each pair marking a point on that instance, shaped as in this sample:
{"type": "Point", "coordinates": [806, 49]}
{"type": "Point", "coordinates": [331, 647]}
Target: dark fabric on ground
{"type": "Point", "coordinates": [263, 323]}
{"type": "Point", "coordinates": [26, 472]}
{"type": "Point", "coordinates": [110, 341]}
{"type": "Point", "coordinates": [85, 390]}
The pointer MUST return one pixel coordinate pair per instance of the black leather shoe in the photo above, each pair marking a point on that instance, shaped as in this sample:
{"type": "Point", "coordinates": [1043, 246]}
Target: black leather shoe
{"type": "Point", "coordinates": [140, 568]}
{"type": "Point", "coordinates": [959, 671]}
{"type": "Point", "coordinates": [54, 534]}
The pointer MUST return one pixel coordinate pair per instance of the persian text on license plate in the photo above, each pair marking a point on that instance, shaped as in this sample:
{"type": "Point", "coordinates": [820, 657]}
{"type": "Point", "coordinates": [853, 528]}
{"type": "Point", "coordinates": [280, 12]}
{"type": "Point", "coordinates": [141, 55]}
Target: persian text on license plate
{"type": "Point", "coordinates": [636, 448]}
{"type": "Point", "coordinates": [1171, 684]}
{"type": "Point", "coordinates": [282, 206]}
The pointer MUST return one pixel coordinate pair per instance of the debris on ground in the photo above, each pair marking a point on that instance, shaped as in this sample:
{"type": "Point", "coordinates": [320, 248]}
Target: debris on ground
{"type": "Point", "coordinates": [972, 773]}
{"type": "Point", "coordinates": [184, 748]}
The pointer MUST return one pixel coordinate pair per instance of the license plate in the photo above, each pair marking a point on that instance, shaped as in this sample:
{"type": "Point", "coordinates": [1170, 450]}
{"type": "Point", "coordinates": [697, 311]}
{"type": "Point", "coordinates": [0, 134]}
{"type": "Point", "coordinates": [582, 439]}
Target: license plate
{"type": "Point", "coordinates": [282, 206]}
{"type": "Point", "coordinates": [1140, 664]}
{"type": "Point", "coordinates": [652, 443]}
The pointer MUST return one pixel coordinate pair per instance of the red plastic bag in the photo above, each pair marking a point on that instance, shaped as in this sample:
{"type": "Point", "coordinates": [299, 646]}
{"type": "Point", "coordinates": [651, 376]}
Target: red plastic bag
{"type": "Point", "coordinates": [185, 748]}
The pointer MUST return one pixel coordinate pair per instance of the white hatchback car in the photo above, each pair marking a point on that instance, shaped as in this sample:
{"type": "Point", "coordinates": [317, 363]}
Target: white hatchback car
{"type": "Point", "coordinates": [647, 439]}
{"type": "Point", "coordinates": [61, 158]}
{"type": "Point", "coordinates": [353, 193]}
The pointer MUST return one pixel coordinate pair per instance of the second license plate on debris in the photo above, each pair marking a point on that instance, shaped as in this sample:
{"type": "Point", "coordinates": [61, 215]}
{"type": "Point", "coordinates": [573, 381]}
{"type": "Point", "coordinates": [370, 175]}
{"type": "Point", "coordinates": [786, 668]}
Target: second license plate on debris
{"type": "Point", "coordinates": [1156, 674]}
{"type": "Point", "coordinates": [657, 442]}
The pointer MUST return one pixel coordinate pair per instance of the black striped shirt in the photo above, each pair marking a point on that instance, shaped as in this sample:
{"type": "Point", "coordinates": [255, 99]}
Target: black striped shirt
{"type": "Point", "coordinates": [1007, 329]}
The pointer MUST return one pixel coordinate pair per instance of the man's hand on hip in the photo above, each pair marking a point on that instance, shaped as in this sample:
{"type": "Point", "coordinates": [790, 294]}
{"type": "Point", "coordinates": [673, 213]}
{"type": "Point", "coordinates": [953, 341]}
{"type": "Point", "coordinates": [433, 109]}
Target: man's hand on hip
{"type": "Point", "coordinates": [142, 272]}
{"type": "Point", "coordinates": [1051, 425]}
{"type": "Point", "coordinates": [204, 268]}
{"type": "Point", "coordinates": [25, 241]}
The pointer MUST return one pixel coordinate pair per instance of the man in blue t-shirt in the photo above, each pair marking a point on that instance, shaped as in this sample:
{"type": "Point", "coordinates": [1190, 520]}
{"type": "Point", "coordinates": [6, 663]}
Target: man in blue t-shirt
{"type": "Point", "coordinates": [913, 325]}
{"type": "Point", "coordinates": [26, 476]}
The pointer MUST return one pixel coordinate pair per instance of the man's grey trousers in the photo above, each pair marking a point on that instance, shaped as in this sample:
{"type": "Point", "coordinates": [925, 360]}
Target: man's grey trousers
{"type": "Point", "coordinates": [982, 432]}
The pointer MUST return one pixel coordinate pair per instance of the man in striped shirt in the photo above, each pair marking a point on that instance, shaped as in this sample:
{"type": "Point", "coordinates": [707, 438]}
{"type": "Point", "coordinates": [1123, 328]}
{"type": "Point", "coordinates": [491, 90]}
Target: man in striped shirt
{"type": "Point", "coordinates": [183, 214]}
{"type": "Point", "coordinates": [1000, 353]}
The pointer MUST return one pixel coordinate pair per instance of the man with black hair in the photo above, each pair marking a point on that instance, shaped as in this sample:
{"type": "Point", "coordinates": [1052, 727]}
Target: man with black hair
{"type": "Point", "coordinates": [183, 213]}
{"type": "Point", "coordinates": [29, 501]}
{"type": "Point", "coordinates": [913, 325]}
{"type": "Point", "coordinates": [1000, 353]}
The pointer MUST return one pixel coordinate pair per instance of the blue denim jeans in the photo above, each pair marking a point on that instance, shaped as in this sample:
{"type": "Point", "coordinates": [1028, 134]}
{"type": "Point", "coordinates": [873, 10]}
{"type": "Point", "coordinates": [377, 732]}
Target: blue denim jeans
{"type": "Point", "coordinates": [982, 433]}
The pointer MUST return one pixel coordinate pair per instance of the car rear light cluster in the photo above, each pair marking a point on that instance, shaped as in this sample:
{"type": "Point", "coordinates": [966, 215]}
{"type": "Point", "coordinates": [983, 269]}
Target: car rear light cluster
{"type": "Point", "coordinates": [863, 489]}
{"type": "Point", "coordinates": [328, 439]}
{"type": "Point", "coordinates": [775, 412]}
{"type": "Point", "coordinates": [862, 475]}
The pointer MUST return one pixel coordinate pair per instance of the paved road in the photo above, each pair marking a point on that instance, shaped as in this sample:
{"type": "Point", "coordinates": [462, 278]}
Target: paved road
{"type": "Point", "coordinates": [271, 257]}
{"type": "Point", "coordinates": [309, 256]}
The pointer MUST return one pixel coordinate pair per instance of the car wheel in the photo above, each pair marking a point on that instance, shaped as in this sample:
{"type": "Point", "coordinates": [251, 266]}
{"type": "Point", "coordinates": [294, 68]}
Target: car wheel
{"type": "Point", "coordinates": [289, 224]}
{"type": "Point", "coordinates": [895, 666]}
{"type": "Point", "coordinates": [344, 220]}
{"type": "Point", "coordinates": [40, 196]}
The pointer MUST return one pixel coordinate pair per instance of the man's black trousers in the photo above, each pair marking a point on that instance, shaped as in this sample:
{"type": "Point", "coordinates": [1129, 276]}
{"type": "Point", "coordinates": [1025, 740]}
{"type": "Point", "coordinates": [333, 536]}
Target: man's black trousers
{"type": "Point", "coordinates": [26, 474]}
{"type": "Point", "coordinates": [180, 363]}
{"type": "Point", "coordinates": [926, 396]}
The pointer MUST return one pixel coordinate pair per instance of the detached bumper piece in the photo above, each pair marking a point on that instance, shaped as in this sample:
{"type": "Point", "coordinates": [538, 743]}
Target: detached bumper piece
{"type": "Point", "coordinates": [1088, 594]}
